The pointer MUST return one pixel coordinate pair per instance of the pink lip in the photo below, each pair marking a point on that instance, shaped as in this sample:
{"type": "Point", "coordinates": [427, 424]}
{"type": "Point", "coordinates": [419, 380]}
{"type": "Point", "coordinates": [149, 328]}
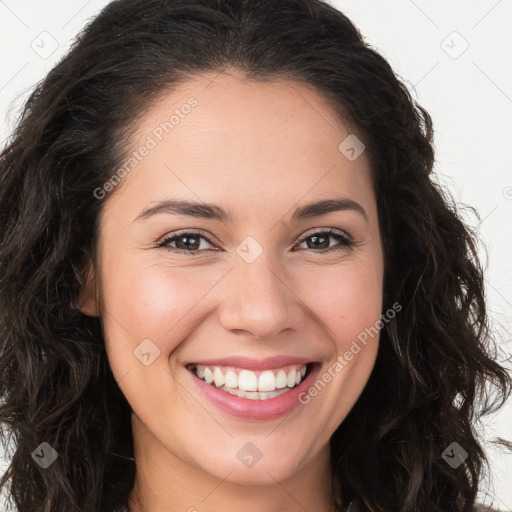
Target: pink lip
{"type": "Point", "coordinates": [248, 409]}
{"type": "Point", "coordinates": [250, 363]}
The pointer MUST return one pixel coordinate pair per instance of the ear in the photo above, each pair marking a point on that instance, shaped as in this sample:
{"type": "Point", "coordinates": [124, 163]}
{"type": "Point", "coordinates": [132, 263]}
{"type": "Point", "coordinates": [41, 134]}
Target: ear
{"type": "Point", "coordinates": [87, 301]}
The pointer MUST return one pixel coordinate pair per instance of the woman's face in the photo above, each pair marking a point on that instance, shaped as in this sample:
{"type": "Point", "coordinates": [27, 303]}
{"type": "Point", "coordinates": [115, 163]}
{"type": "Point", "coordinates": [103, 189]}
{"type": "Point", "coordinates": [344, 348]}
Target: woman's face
{"type": "Point", "coordinates": [239, 281]}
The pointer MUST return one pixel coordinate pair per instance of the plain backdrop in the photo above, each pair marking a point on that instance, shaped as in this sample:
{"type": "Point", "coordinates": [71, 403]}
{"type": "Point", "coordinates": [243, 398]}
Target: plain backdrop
{"type": "Point", "coordinates": [455, 57]}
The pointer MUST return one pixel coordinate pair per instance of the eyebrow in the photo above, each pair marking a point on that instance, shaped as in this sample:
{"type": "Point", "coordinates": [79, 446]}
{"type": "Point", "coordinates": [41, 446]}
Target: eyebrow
{"type": "Point", "coordinates": [212, 211]}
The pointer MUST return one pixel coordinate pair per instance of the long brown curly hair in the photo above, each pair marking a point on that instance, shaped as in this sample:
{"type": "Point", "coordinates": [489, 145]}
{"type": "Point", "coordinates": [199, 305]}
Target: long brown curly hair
{"type": "Point", "coordinates": [436, 370]}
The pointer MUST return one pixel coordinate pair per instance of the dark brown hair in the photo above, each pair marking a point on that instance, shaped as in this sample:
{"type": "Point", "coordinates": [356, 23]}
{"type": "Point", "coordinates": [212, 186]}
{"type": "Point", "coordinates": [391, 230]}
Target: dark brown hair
{"type": "Point", "coordinates": [436, 358]}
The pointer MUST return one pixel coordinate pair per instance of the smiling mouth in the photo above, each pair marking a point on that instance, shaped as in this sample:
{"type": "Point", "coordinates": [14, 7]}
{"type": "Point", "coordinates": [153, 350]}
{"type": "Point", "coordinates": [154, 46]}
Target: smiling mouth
{"type": "Point", "coordinates": [253, 385]}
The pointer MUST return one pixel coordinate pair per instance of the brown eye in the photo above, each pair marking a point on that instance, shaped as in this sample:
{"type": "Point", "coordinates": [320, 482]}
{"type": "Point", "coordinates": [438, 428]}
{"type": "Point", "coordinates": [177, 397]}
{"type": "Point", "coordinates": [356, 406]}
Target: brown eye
{"type": "Point", "coordinates": [186, 242]}
{"type": "Point", "coordinates": [321, 240]}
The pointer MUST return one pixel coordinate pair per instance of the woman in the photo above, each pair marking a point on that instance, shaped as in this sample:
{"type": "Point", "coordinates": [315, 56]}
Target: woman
{"type": "Point", "coordinates": [227, 278]}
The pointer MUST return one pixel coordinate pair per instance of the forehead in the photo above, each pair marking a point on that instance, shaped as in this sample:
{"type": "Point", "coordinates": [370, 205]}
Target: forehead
{"type": "Point", "coordinates": [221, 135]}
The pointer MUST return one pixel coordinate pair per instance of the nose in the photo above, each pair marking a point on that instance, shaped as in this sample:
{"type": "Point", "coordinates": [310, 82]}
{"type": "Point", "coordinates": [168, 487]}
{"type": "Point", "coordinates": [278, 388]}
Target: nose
{"type": "Point", "coordinates": [259, 301]}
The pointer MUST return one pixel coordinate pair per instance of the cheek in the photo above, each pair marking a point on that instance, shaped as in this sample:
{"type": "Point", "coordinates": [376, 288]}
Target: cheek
{"type": "Point", "coordinates": [152, 301]}
{"type": "Point", "coordinates": [345, 299]}
{"type": "Point", "coordinates": [148, 302]}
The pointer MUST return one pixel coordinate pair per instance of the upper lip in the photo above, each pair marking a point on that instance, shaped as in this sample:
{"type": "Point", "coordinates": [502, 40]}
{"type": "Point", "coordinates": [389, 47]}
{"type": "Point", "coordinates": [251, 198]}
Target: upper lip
{"type": "Point", "coordinates": [250, 363]}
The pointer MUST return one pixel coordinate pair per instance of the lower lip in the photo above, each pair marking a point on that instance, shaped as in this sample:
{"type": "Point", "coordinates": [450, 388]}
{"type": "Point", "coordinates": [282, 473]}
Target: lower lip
{"type": "Point", "coordinates": [248, 409]}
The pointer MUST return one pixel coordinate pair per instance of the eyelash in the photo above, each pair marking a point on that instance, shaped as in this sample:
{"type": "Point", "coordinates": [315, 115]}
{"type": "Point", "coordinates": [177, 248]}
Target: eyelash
{"type": "Point", "coordinates": [345, 241]}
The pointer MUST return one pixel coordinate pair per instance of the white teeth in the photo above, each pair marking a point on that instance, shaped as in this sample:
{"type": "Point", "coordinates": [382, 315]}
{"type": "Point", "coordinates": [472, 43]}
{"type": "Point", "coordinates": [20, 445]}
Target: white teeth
{"type": "Point", "coordinates": [281, 379]}
{"type": "Point", "coordinates": [218, 378]}
{"type": "Point", "coordinates": [247, 381]}
{"type": "Point", "coordinates": [247, 384]}
{"type": "Point", "coordinates": [254, 395]}
{"type": "Point", "coordinates": [208, 375]}
{"type": "Point", "coordinates": [290, 381]}
{"type": "Point", "coordinates": [231, 379]}
{"type": "Point", "coordinates": [267, 381]}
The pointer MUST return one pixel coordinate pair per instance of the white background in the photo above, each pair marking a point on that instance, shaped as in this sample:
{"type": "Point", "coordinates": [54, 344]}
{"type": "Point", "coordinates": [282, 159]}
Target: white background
{"type": "Point", "coordinates": [456, 58]}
